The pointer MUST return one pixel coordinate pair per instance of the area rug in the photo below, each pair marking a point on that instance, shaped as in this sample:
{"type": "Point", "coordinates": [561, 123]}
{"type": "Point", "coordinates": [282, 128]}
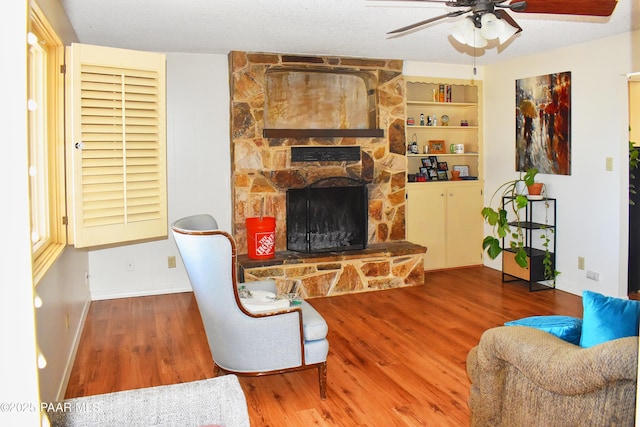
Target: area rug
{"type": "Point", "coordinates": [215, 401]}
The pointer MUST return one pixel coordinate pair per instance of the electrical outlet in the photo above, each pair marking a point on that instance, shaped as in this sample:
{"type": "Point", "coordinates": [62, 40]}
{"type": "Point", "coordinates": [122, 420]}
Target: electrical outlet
{"type": "Point", "coordinates": [171, 262]}
{"type": "Point", "coordinates": [580, 263]}
{"type": "Point", "coordinates": [593, 275]}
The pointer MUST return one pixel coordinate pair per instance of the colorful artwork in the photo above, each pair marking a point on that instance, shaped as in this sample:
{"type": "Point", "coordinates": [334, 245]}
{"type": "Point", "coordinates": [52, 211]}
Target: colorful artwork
{"type": "Point", "coordinates": [543, 123]}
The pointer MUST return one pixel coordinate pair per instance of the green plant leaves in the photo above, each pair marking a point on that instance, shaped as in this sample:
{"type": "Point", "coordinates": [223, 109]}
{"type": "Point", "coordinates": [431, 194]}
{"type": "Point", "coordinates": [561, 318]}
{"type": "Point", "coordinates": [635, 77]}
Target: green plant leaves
{"type": "Point", "coordinates": [521, 258]}
{"type": "Point", "coordinates": [521, 201]}
{"type": "Point", "coordinates": [490, 215]}
{"type": "Point", "coordinates": [529, 176]}
{"type": "Point", "coordinates": [498, 219]}
{"type": "Point", "coordinates": [492, 246]}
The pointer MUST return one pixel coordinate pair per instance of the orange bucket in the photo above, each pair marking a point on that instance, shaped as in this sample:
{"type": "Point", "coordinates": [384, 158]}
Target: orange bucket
{"type": "Point", "coordinates": [261, 237]}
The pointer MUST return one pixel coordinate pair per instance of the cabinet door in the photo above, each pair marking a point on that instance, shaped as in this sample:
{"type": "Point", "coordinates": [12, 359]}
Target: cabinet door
{"type": "Point", "coordinates": [426, 222]}
{"type": "Point", "coordinates": [464, 225]}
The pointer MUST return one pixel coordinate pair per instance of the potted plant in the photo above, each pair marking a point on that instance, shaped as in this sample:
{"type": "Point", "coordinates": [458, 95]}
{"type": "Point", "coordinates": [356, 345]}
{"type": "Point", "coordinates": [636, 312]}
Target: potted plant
{"type": "Point", "coordinates": [511, 202]}
{"type": "Point", "coordinates": [535, 189]}
{"type": "Point", "coordinates": [509, 198]}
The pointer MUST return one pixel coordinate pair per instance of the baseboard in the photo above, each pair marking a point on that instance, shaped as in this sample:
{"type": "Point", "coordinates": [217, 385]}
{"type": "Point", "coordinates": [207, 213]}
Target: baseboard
{"type": "Point", "coordinates": [96, 296]}
{"type": "Point", "coordinates": [74, 350]}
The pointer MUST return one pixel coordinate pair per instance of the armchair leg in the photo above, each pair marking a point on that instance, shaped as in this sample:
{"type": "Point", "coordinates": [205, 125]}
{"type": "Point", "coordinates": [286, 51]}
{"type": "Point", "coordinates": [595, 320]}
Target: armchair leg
{"type": "Point", "coordinates": [322, 377]}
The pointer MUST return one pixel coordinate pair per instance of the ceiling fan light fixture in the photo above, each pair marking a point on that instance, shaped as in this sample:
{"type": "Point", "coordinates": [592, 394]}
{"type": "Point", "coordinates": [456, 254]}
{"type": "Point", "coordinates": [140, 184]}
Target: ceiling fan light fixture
{"type": "Point", "coordinates": [507, 32]}
{"type": "Point", "coordinates": [477, 40]}
{"type": "Point", "coordinates": [491, 26]}
{"type": "Point", "coordinates": [462, 30]}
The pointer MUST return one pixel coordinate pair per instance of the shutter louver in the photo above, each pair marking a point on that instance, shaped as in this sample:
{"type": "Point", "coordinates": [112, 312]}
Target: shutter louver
{"type": "Point", "coordinates": [122, 166]}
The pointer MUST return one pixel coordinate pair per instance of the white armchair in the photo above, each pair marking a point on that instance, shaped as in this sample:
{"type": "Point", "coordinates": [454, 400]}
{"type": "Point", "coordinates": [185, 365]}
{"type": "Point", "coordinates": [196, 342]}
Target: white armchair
{"type": "Point", "coordinates": [242, 342]}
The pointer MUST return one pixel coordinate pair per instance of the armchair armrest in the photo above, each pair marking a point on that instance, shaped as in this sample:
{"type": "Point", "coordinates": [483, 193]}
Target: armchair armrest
{"type": "Point", "coordinates": [554, 364]}
{"type": "Point", "coordinates": [525, 376]}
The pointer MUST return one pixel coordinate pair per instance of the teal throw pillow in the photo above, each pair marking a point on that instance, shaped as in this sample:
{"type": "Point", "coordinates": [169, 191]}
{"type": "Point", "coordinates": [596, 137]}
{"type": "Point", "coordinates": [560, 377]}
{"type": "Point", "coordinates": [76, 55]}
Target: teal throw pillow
{"type": "Point", "coordinates": [565, 327]}
{"type": "Point", "coordinates": [607, 318]}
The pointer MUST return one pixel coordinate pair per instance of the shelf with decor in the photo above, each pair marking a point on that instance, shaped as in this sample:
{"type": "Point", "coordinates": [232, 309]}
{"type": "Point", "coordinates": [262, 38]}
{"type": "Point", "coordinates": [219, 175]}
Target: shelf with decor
{"type": "Point", "coordinates": [444, 119]}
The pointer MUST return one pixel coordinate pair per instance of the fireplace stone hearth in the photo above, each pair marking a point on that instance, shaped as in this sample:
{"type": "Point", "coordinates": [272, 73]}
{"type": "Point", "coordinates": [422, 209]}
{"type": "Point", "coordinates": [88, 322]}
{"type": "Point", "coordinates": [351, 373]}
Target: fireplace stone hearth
{"type": "Point", "coordinates": [379, 266]}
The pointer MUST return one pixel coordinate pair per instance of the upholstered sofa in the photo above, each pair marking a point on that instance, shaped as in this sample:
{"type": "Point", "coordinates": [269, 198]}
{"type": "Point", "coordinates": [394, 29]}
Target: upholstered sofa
{"type": "Point", "coordinates": [522, 376]}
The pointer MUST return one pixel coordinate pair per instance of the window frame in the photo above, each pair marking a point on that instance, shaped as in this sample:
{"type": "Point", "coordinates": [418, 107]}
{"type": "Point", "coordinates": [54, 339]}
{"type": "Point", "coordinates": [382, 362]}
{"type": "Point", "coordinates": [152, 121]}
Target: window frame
{"type": "Point", "coordinates": [51, 210]}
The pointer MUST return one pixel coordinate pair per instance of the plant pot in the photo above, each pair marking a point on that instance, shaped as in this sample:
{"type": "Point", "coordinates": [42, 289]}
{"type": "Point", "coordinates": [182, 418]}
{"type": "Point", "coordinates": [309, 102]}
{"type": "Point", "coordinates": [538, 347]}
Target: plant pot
{"type": "Point", "coordinates": [535, 189]}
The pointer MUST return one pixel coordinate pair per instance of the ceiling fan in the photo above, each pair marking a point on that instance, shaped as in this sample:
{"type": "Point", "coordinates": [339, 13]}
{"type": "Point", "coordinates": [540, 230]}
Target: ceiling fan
{"type": "Point", "coordinates": [491, 20]}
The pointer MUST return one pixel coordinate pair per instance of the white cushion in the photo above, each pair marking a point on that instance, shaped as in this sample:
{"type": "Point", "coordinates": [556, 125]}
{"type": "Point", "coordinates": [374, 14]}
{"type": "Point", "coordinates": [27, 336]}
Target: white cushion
{"type": "Point", "coordinates": [313, 325]}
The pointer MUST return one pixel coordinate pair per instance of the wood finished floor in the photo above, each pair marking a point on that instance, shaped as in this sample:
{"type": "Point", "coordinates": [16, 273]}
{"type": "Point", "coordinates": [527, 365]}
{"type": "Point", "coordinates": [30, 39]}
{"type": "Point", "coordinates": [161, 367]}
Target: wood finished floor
{"type": "Point", "coordinates": [396, 358]}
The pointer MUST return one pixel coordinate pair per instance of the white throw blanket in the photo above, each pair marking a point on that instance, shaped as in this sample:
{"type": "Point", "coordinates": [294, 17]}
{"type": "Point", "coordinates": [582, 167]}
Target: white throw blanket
{"type": "Point", "coordinates": [214, 401]}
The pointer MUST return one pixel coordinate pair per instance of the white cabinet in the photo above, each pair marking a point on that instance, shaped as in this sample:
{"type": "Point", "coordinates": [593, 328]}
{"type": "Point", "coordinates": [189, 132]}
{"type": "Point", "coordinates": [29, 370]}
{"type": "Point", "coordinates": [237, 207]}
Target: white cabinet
{"type": "Point", "coordinates": [446, 218]}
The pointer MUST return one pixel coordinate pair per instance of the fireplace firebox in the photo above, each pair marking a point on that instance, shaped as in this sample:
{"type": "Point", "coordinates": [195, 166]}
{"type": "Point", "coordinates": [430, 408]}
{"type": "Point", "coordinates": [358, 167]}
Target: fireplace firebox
{"type": "Point", "coordinates": [328, 215]}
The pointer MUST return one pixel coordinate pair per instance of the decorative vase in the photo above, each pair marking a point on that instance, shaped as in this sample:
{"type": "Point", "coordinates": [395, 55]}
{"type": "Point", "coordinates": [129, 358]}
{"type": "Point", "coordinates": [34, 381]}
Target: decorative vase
{"type": "Point", "coordinates": [455, 175]}
{"type": "Point", "coordinates": [535, 189]}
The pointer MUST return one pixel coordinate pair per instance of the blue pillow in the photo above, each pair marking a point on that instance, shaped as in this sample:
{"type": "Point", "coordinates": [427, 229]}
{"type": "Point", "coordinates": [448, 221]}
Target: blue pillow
{"type": "Point", "coordinates": [564, 327]}
{"type": "Point", "coordinates": [607, 318]}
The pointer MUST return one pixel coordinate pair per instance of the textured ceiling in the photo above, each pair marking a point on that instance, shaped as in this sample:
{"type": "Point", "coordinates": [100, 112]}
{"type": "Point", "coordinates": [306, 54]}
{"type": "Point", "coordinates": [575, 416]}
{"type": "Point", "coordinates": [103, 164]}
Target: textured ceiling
{"type": "Point", "coordinates": [354, 28]}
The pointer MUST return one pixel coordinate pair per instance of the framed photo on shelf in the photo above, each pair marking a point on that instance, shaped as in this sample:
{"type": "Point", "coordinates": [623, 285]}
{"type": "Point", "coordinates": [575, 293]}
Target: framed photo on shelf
{"type": "Point", "coordinates": [424, 171]}
{"type": "Point", "coordinates": [434, 161]}
{"type": "Point", "coordinates": [437, 146]}
{"type": "Point", "coordinates": [442, 175]}
{"type": "Point", "coordinates": [426, 162]}
{"type": "Point", "coordinates": [433, 174]}
{"type": "Point", "coordinates": [443, 166]}
{"type": "Point", "coordinates": [463, 169]}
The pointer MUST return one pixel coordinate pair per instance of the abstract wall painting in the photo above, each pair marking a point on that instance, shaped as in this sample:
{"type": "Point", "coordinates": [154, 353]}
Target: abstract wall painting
{"type": "Point", "coordinates": [543, 123]}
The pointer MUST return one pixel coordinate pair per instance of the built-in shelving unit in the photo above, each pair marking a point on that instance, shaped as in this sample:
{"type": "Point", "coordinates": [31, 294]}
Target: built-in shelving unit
{"type": "Point", "coordinates": [444, 214]}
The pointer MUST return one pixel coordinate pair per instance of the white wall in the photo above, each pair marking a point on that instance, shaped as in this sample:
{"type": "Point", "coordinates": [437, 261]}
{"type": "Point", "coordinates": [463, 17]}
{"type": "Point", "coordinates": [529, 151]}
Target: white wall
{"type": "Point", "coordinates": [592, 202]}
{"type": "Point", "coordinates": [60, 320]}
{"type": "Point", "coordinates": [198, 177]}
{"type": "Point", "coordinates": [18, 369]}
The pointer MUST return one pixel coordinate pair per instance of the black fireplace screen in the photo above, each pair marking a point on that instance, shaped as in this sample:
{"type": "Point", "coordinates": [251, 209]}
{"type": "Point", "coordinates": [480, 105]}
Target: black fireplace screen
{"type": "Point", "coordinates": [327, 218]}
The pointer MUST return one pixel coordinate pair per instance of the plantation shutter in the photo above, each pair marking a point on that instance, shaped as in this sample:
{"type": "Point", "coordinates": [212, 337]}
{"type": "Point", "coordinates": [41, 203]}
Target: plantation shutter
{"type": "Point", "coordinates": [117, 145]}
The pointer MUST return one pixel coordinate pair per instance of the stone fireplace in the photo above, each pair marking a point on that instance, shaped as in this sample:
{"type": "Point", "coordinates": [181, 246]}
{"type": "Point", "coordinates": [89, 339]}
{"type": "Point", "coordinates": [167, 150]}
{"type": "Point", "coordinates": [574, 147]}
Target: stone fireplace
{"type": "Point", "coordinates": [280, 103]}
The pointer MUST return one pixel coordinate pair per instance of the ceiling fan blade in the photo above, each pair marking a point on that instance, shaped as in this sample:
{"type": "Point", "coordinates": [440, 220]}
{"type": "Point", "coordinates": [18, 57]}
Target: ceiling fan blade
{"type": "Point", "coordinates": [428, 21]}
{"type": "Point", "coordinates": [502, 14]}
{"type": "Point", "coordinates": [571, 7]}
{"type": "Point", "coordinates": [424, 1]}
{"type": "Point", "coordinates": [516, 6]}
